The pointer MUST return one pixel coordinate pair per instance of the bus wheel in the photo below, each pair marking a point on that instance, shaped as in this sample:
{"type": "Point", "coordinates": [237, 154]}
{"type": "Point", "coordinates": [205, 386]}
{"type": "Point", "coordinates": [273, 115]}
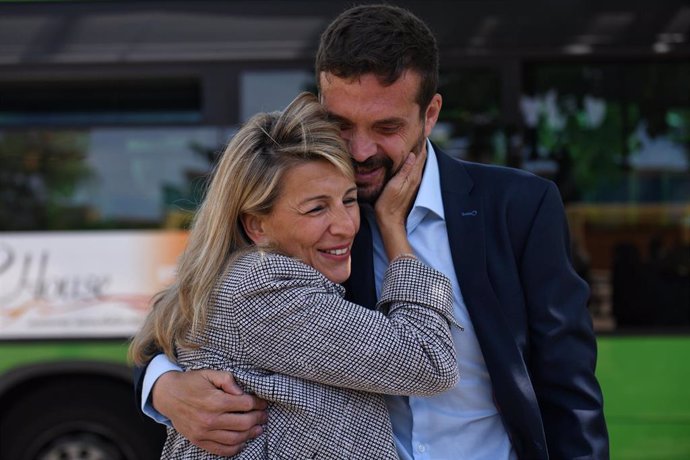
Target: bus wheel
{"type": "Point", "coordinates": [76, 443]}
{"type": "Point", "coordinates": [74, 420]}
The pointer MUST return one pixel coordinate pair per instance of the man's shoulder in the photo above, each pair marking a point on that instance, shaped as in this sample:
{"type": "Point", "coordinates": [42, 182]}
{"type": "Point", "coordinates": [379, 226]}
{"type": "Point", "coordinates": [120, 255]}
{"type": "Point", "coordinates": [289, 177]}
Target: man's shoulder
{"type": "Point", "coordinates": [497, 178]}
{"type": "Point", "coordinates": [501, 174]}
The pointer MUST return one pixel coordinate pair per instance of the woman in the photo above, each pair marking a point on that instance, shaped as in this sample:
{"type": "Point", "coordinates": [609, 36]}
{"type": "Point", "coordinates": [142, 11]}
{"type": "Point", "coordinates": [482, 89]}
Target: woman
{"type": "Point", "coordinates": [257, 294]}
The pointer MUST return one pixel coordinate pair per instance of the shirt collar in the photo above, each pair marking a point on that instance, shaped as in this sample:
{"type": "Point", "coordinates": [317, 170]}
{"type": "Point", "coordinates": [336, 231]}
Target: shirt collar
{"type": "Point", "coordinates": [429, 194]}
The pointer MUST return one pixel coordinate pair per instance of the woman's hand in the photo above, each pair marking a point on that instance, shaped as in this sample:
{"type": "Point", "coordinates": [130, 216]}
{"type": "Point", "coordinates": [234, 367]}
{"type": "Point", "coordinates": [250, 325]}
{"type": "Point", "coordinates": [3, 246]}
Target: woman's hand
{"type": "Point", "coordinates": [394, 204]}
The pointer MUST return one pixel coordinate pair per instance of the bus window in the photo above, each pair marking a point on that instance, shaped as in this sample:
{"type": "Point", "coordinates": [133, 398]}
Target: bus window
{"type": "Point", "coordinates": [269, 90]}
{"type": "Point", "coordinates": [104, 178]}
{"type": "Point", "coordinates": [100, 102]}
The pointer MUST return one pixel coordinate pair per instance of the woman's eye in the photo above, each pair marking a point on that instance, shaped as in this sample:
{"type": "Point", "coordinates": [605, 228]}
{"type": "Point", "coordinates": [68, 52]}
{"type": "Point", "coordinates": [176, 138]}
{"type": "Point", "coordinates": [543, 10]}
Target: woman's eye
{"type": "Point", "coordinates": [349, 201]}
{"type": "Point", "coordinates": [315, 210]}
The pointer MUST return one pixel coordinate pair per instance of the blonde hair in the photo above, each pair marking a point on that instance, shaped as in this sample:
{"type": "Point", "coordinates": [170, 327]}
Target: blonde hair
{"type": "Point", "coordinates": [246, 181]}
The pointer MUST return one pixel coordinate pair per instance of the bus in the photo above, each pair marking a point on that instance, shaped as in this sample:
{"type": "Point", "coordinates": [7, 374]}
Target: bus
{"type": "Point", "coordinates": [112, 116]}
{"type": "Point", "coordinates": [86, 242]}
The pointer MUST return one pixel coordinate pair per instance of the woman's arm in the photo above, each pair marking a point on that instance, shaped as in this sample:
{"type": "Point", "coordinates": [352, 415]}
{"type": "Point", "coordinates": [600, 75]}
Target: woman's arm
{"type": "Point", "coordinates": [288, 322]}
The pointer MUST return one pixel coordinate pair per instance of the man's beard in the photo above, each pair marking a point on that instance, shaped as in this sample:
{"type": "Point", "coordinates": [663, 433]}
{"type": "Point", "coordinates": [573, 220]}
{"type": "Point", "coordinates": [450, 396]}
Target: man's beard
{"type": "Point", "coordinates": [384, 162]}
{"type": "Point", "coordinates": [370, 195]}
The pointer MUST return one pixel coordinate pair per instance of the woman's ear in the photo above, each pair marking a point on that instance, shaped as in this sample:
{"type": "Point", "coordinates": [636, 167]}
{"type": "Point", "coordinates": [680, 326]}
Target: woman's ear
{"type": "Point", "coordinates": [254, 228]}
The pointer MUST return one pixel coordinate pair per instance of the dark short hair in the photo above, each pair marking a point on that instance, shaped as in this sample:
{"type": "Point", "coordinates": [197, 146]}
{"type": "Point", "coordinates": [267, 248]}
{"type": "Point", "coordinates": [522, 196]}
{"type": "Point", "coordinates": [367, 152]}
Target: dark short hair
{"type": "Point", "coordinates": [381, 39]}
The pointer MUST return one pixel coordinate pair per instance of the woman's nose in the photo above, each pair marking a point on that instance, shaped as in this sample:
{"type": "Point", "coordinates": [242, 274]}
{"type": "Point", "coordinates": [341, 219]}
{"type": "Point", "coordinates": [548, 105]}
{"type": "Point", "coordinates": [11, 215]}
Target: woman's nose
{"type": "Point", "coordinates": [345, 222]}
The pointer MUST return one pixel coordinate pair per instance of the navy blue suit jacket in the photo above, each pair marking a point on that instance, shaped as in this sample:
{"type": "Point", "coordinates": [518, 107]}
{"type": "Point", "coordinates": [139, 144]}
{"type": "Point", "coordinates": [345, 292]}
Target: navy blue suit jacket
{"type": "Point", "coordinates": [511, 250]}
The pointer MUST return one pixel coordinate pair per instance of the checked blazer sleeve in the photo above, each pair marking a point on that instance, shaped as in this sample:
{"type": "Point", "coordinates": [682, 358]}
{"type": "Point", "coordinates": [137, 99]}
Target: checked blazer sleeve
{"type": "Point", "coordinates": [294, 321]}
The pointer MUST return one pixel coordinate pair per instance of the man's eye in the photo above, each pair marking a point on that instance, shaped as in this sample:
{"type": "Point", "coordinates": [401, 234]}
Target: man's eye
{"type": "Point", "coordinates": [350, 201]}
{"type": "Point", "coordinates": [388, 129]}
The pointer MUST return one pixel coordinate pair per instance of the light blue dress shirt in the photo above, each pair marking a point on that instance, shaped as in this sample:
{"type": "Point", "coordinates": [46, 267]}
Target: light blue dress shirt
{"type": "Point", "coordinates": [157, 367]}
{"type": "Point", "coordinates": [462, 423]}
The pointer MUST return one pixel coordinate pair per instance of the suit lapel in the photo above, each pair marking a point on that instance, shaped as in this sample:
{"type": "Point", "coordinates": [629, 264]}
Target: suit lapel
{"type": "Point", "coordinates": [465, 221]}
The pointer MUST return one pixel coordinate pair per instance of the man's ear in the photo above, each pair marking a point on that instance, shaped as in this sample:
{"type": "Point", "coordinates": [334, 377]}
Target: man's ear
{"type": "Point", "coordinates": [433, 110]}
{"type": "Point", "coordinates": [254, 228]}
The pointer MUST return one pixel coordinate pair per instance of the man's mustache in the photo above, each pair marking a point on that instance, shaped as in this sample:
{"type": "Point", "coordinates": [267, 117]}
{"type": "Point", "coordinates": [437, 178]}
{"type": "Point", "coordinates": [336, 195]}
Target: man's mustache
{"type": "Point", "coordinates": [371, 163]}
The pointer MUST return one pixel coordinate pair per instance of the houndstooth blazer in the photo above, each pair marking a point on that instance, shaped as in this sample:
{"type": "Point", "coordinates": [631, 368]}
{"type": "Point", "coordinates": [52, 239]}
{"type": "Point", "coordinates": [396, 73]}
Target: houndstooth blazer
{"type": "Point", "coordinates": [287, 335]}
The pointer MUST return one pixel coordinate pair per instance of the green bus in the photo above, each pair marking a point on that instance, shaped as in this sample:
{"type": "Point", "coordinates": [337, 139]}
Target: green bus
{"type": "Point", "coordinates": [112, 115]}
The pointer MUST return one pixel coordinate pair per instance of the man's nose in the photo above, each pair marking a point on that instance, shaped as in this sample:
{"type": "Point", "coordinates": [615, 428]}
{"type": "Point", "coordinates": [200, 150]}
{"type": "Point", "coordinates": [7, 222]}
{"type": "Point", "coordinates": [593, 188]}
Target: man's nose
{"type": "Point", "coordinates": [361, 146]}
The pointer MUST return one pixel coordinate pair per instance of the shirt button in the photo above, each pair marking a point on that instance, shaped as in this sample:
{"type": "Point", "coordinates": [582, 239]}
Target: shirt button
{"type": "Point", "coordinates": [421, 448]}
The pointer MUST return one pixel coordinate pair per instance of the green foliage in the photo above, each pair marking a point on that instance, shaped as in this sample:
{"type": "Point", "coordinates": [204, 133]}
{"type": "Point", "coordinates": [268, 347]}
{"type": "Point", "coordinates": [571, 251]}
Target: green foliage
{"type": "Point", "coordinates": [595, 151]}
{"type": "Point", "coordinates": [41, 172]}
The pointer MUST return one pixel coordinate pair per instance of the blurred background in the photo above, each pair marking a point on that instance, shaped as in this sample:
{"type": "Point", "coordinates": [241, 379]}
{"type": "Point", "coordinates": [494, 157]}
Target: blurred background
{"type": "Point", "coordinates": [113, 113]}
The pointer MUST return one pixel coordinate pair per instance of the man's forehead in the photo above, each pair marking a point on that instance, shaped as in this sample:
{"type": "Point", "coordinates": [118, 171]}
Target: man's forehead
{"type": "Point", "coordinates": [366, 93]}
{"type": "Point", "coordinates": [387, 120]}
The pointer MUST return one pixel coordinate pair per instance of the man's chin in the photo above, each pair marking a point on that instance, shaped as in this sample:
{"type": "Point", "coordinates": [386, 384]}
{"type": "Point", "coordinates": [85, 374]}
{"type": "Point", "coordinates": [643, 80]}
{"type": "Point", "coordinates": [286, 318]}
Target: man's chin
{"type": "Point", "coordinates": [368, 194]}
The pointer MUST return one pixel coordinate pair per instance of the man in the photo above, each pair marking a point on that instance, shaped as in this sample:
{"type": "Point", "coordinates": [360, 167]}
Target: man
{"type": "Point", "coordinates": [527, 388]}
